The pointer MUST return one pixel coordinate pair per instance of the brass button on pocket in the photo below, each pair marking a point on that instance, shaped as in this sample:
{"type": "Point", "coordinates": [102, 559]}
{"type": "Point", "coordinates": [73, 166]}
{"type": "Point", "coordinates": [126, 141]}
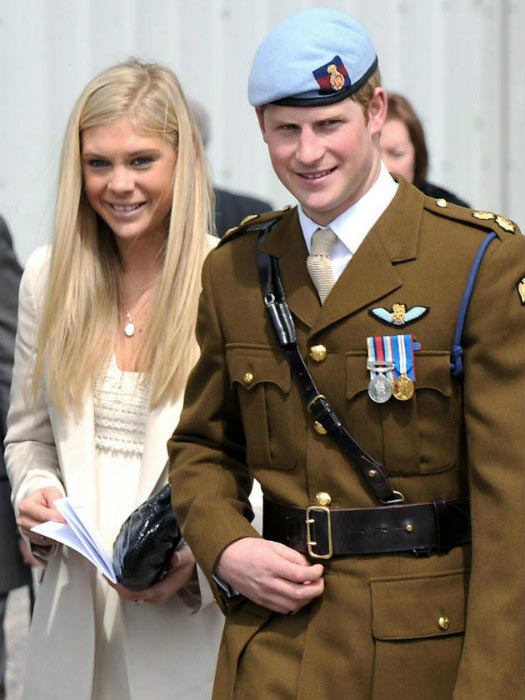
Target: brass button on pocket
{"type": "Point", "coordinates": [443, 623]}
{"type": "Point", "coordinates": [318, 353]}
{"type": "Point", "coordinates": [248, 378]}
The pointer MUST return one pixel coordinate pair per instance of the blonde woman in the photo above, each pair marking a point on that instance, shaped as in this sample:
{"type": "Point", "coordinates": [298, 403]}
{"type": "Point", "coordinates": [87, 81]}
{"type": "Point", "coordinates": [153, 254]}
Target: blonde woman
{"type": "Point", "coordinates": [105, 343]}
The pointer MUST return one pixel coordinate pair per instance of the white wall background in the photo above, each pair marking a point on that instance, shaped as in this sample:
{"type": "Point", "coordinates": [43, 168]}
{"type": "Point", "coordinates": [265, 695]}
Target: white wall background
{"type": "Point", "coordinates": [459, 61]}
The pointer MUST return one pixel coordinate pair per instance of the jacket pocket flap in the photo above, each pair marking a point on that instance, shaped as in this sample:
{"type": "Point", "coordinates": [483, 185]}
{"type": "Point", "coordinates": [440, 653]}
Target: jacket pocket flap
{"type": "Point", "coordinates": [250, 366]}
{"type": "Point", "coordinates": [418, 607]}
{"type": "Point", "coordinates": [433, 371]}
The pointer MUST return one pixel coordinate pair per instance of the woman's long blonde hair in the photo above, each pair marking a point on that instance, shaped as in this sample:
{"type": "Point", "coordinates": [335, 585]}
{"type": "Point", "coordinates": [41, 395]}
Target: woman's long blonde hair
{"type": "Point", "coordinates": [80, 313]}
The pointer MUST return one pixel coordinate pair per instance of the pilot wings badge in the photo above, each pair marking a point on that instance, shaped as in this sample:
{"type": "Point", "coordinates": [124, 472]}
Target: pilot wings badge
{"type": "Point", "coordinates": [400, 315]}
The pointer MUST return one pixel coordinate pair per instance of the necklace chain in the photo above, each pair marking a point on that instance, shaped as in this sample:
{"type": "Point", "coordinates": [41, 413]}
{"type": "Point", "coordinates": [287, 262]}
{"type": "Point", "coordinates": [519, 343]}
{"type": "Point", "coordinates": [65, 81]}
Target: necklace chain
{"type": "Point", "coordinates": [130, 325]}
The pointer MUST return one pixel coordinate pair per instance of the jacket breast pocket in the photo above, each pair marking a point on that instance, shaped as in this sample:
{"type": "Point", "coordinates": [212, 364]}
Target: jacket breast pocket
{"type": "Point", "coordinates": [418, 625]}
{"type": "Point", "coordinates": [262, 378]}
{"type": "Point", "coordinates": [417, 436]}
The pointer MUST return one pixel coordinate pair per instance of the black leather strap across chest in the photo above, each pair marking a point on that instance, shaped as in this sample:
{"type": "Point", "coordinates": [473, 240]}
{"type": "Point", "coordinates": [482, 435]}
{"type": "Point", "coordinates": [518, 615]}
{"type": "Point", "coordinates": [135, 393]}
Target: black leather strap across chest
{"type": "Point", "coordinates": [318, 406]}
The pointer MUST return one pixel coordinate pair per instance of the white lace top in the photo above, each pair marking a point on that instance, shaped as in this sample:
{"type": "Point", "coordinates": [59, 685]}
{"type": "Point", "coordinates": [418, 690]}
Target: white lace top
{"type": "Point", "coordinates": [121, 407]}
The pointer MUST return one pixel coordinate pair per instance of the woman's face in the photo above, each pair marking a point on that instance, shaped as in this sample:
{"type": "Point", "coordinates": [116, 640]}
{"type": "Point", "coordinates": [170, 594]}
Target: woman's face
{"type": "Point", "coordinates": [397, 150]}
{"type": "Point", "coordinates": [128, 178]}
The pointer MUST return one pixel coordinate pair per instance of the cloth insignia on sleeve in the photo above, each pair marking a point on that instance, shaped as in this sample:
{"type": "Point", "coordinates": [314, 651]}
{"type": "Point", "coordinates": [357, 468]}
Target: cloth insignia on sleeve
{"type": "Point", "coordinates": [400, 315]}
{"type": "Point", "coordinates": [521, 290]}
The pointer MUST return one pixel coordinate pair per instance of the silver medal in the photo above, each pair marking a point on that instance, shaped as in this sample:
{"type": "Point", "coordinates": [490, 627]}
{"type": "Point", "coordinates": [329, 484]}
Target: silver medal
{"type": "Point", "coordinates": [380, 389]}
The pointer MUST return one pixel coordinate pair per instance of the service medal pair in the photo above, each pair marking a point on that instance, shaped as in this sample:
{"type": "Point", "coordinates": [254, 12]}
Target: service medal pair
{"type": "Point", "coordinates": [392, 367]}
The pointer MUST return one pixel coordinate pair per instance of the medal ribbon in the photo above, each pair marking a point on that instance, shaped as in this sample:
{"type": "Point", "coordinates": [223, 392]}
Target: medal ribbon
{"type": "Point", "coordinates": [404, 348]}
{"type": "Point", "coordinates": [394, 349]}
{"type": "Point", "coordinates": [380, 353]}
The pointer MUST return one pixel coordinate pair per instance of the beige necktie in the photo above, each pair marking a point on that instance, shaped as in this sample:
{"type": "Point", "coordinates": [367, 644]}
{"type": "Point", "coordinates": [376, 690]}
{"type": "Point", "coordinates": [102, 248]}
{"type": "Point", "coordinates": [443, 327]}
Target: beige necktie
{"type": "Point", "coordinates": [319, 264]}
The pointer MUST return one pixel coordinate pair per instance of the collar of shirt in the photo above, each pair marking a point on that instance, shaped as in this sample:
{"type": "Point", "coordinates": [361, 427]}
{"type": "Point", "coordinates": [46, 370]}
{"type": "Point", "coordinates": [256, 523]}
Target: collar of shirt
{"type": "Point", "coordinates": [352, 225]}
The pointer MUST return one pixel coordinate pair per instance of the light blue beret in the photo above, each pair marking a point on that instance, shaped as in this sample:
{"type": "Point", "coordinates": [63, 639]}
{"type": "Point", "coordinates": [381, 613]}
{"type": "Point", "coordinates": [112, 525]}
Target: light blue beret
{"type": "Point", "coordinates": [314, 57]}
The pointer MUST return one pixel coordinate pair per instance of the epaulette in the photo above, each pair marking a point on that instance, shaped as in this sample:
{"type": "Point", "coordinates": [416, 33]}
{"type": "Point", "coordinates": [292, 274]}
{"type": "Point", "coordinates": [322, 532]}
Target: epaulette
{"type": "Point", "coordinates": [253, 222]}
{"type": "Point", "coordinates": [483, 219]}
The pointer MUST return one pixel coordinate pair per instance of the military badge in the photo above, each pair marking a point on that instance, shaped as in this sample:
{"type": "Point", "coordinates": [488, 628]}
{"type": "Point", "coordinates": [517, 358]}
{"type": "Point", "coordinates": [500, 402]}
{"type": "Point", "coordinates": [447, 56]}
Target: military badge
{"type": "Point", "coordinates": [400, 315]}
{"type": "Point", "coordinates": [332, 77]}
{"type": "Point", "coordinates": [521, 290]}
{"type": "Point", "coordinates": [505, 224]}
{"type": "Point", "coordinates": [337, 79]}
{"type": "Point", "coordinates": [484, 215]}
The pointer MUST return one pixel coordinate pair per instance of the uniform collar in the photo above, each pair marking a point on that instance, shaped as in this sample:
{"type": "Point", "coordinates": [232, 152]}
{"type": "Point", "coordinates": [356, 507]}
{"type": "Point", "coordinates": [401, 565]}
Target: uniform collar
{"type": "Point", "coordinates": [372, 272]}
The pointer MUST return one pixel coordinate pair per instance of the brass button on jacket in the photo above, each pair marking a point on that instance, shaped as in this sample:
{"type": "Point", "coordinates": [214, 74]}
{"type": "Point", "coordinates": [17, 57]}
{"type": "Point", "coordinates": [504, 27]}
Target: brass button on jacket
{"type": "Point", "coordinates": [322, 498]}
{"type": "Point", "coordinates": [248, 378]}
{"type": "Point", "coordinates": [443, 623]}
{"type": "Point", "coordinates": [318, 353]}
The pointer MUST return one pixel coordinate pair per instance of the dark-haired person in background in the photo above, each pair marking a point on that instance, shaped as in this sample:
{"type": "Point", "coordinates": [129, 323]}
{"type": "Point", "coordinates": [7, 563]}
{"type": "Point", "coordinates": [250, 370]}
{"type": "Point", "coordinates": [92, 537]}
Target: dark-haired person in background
{"type": "Point", "coordinates": [404, 149]}
{"type": "Point", "coordinates": [13, 571]}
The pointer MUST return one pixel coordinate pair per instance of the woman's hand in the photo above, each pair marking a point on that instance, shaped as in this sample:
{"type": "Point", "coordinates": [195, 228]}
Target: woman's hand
{"type": "Point", "coordinates": [38, 508]}
{"type": "Point", "coordinates": [182, 570]}
{"type": "Point", "coordinates": [27, 556]}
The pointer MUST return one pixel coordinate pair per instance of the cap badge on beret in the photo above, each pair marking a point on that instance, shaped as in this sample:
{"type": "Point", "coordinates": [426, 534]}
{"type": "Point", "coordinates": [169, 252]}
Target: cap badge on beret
{"type": "Point", "coordinates": [332, 77]}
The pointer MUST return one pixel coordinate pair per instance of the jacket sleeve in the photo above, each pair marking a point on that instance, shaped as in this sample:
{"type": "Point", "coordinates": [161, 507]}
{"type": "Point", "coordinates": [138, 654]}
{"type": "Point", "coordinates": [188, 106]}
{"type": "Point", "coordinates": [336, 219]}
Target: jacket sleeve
{"type": "Point", "coordinates": [30, 454]}
{"type": "Point", "coordinates": [209, 477]}
{"type": "Point", "coordinates": [494, 410]}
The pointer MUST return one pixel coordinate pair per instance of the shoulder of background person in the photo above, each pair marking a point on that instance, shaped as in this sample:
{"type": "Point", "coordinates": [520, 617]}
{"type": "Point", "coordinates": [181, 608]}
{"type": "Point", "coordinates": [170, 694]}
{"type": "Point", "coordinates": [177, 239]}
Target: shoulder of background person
{"type": "Point", "coordinates": [225, 196]}
{"type": "Point", "coordinates": [232, 207]}
{"type": "Point", "coordinates": [9, 264]}
{"type": "Point", "coordinates": [6, 240]}
{"type": "Point", "coordinates": [438, 192]}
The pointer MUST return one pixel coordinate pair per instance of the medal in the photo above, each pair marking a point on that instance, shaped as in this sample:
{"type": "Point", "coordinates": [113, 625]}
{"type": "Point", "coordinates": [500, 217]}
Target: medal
{"type": "Point", "coordinates": [403, 388]}
{"type": "Point", "coordinates": [405, 367]}
{"type": "Point", "coordinates": [381, 367]}
{"type": "Point", "coordinates": [392, 367]}
{"type": "Point", "coordinates": [380, 389]}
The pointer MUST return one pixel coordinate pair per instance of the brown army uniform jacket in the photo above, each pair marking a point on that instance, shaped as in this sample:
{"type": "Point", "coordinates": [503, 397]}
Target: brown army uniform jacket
{"type": "Point", "coordinates": [387, 626]}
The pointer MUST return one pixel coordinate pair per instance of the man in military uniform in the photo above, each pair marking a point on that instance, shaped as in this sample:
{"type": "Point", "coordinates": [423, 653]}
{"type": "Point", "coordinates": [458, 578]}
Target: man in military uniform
{"type": "Point", "coordinates": [409, 316]}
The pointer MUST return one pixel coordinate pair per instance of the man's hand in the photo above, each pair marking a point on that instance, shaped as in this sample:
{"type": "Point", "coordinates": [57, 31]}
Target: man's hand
{"type": "Point", "coordinates": [271, 574]}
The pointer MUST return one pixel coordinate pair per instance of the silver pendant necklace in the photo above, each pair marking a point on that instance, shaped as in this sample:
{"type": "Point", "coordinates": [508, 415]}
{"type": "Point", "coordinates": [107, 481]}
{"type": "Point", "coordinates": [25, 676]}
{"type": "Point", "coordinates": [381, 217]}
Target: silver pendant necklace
{"type": "Point", "coordinates": [129, 327]}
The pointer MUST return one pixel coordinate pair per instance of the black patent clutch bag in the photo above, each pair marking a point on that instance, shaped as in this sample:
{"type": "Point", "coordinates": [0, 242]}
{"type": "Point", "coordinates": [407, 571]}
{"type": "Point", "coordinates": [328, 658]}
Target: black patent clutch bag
{"type": "Point", "coordinates": [146, 542]}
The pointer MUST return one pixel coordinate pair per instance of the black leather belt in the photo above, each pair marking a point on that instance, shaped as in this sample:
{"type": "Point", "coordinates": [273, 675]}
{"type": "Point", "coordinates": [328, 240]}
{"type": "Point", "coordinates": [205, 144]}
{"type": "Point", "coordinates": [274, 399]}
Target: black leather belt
{"type": "Point", "coordinates": [322, 532]}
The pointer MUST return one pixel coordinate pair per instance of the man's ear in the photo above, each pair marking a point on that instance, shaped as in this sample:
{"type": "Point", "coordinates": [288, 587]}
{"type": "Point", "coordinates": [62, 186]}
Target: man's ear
{"type": "Point", "coordinates": [260, 116]}
{"type": "Point", "coordinates": [377, 110]}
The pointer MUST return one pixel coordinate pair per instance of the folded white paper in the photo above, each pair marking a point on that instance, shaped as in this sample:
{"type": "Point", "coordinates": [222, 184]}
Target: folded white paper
{"type": "Point", "coordinates": [80, 533]}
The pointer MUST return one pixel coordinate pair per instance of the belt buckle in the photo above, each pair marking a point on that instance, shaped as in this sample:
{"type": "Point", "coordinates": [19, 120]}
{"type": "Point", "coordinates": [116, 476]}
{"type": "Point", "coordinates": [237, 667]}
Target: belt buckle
{"type": "Point", "coordinates": [310, 543]}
